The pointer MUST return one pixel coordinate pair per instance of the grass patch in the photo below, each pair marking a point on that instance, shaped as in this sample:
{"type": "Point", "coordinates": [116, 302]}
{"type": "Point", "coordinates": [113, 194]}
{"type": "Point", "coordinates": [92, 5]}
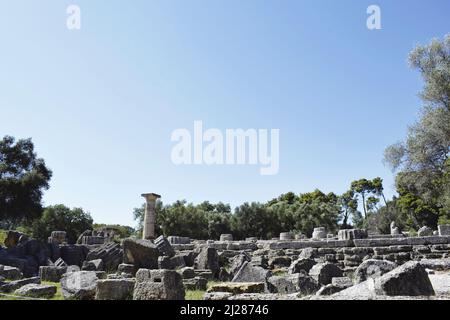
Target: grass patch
{"type": "Point", "coordinates": [2, 237]}
{"type": "Point", "coordinates": [198, 294]}
{"type": "Point", "coordinates": [194, 295]}
{"type": "Point", "coordinates": [58, 295]}
{"type": "Point", "coordinates": [279, 272]}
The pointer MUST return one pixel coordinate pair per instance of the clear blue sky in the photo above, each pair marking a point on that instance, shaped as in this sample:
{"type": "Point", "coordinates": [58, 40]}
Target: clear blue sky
{"type": "Point", "coordinates": [101, 103]}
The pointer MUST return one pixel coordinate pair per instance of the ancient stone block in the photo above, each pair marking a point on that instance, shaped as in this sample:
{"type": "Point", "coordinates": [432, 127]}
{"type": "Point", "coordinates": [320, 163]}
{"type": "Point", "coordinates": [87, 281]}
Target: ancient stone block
{"type": "Point", "coordinates": [425, 231]}
{"type": "Point", "coordinates": [226, 237]}
{"type": "Point", "coordinates": [79, 285]}
{"type": "Point", "coordinates": [158, 285]}
{"type": "Point", "coordinates": [237, 288]}
{"type": "Point", "coordinates": [299, 282]}
{"type": "Point", "coordinates": [164, 246]}
{"type": "Point", "coordinates": [372, 269]}
{"type": "Point", "coordinates": [126, 268]}
{"type": "Point", "coordinates": [10, 273]}
{"type": "Point", "coordinates": [319, 233]}
{"type": "Point", "coordinates": [51, 273]}
{"type": "Point", "coordinates": [208, 259]}
{"type": "Point", "coordinates": [196, 283]}
{"type": "Point", "coordinates": [115, 289]}
{"type": "Point", "coordinates": [350, 234]}
{"type": "Point", "coordinates": [287, 236]}
{"type": "Point", "coordinates": [444, 229]}
{"type": "Point", "coordinates": [93, 265]}
{"type": "Point", "coordinates": [8, 287]}
{"type": "Point", "coordinates": [325, 272]}
{"type": "Point", "coordinates": [34, 290]}
{"type": "Point", "coordinates": [140, 253]}
{"type": "Point", "coordinates": [110, 253]}
{"type": "Point", "coordinates": [251, 273]}
{"type": "Point", "coordinates": [178, 240]}
{"type": "Point", "coordinates": [410, 279]}
{"type": "Point", "coordinates": [187, 273]}
{"type": "Point", "coordinates": [298, 265]}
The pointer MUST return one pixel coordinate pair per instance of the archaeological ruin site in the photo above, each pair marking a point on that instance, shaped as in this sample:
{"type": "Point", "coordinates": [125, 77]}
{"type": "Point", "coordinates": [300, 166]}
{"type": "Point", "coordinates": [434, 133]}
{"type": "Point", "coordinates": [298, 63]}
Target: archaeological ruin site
{"type": "Point", "coordinates": [350, 265]}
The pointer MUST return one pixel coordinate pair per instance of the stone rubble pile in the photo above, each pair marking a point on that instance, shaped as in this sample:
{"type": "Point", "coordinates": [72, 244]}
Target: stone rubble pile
{"type": "Point", "coordinates": [350, 265]}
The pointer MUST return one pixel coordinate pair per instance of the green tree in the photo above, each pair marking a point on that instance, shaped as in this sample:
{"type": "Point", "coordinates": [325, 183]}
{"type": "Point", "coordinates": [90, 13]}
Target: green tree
{"type": "Point", "coordinates": [23, 178]}
{"type": "Point", "coordinates": [349, 205]}
{"type": "Point", "coordinates": [421, 161]}
{"type": "Point", "coordinates": [363, 187]}
{"type": "Point", "coordinates": [61, 218]}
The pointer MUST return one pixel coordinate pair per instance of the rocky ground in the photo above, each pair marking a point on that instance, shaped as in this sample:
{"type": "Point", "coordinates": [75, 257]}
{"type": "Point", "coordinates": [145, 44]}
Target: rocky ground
{"type": "Point", "coordinates": [176, 268]}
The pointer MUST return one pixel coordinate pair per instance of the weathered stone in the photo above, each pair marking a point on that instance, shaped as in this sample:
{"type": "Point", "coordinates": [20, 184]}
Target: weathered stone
{"type": "Point", "coordinates": [237, 261]}
{"type": "Point", "coordinates": [342, 282]}
{"type": "Point", "coordinates": [60, 263]}
{"type": "Point", "coordinates": [51, 273]}
{"type": "Point", "coordinates": [226, 237]}
{"type": "Point", "coordinates": [164, 246]}
{"type": "Point", "coordinates": [224, 276]}
{"type": "Point", "coordinates": [217, 296]}
{"type": "Point", "coordinates": [79, 285]}
{"type": "Point", "coordinates": [178, 240]}
{"type": "Point", "coordinates": [93, 265]}
{"type": "Point", "coordinates": [11, 273]}
{"type": "Point", "coordinates": [301, 264]}
{"type": "Point", "coordinates": [261, 261]}
{"type": "Point", "coordinates": [325, 272]}
{"type": "Point", "coordinates": [436, 264]}
{"type": "Point", "coordinates": [115, 289]}
{"type": "Point", "coordinates": [83, 234]}
{"type": "Point", "coordinates": [16, 284]}
{"type": "Point", "coordinates": [410, 279]}
{"type": "Point", "coordinates": [176, 262]}
{"type": "Point", "coordinates": [187, 273]}
{"type": "Point", "coordinates": [126, 268]}
{"type": "Point", "coordinates": [57, 237]}
{"type": "Point", "coordinates": [279, 262]}
{"type": "Point", "coordinates": [73, 268]}
{"type": "Point", "coordinates": [197, 283]}
{"type": "Point", "coordinates": [308, 253]}
{"type": "Point", "coordinates": [299, 282]}
{"type": "Point", "coordinates": [350, 234]}
{"type": "Point", "coordinates": [287, 236]}
{"type": "Point", "coordinates": [74, 254]}
{"type": "Point", "coordinates": [319, 233]}
{"type": "Point", "coordinates": [110, 253]}
{"type": "Point", "coordinates": [251, 273]}
{"type": "Point", "coordinates": [208, 259]}
{"type": "Point", "coordinates": [34, 290]}
{"type": "Point", "coordinates": [237, 288]}
{"type": "Point", "coordinates": [444, 229]}
{"type": "Point", "coordinates": [394, 229]}
{"type": "Point", "coordinates": [140, 253]}
{"type": "Point", "coordinates": [372, 269]}
{"type": "Point", "coordinates": [158, 285]}
{"type": "Point", "coordinates": [425, 231]}
{"type": "Point", "coordinates": [329, 289]}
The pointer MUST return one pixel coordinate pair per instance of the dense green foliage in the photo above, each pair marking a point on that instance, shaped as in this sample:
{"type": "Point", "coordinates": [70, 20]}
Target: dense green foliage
{"type": "Point", "coordinates": [61, 218]}
{"type": "Point", "coordinates": [288, 212]}
{"type": "Point", "coordinates": [23, 177]}
{"type": "Point", "coordinates": [422, 160]}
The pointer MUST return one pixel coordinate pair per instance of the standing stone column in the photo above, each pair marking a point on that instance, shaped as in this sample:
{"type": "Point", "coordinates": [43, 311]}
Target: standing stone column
{"type": "Point", "coordinates": [150, 215]}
